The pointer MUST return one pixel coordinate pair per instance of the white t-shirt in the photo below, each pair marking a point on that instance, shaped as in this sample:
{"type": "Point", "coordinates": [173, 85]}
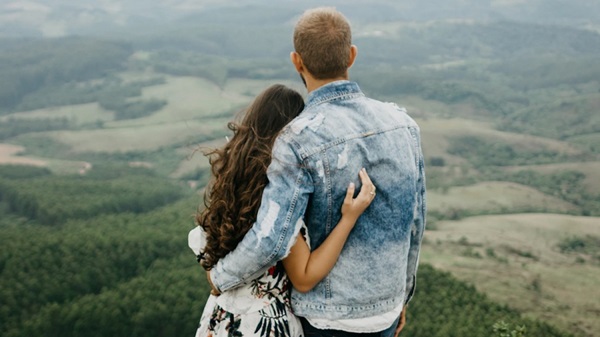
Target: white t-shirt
{"type": "Point", "coordinates": [361, 325]}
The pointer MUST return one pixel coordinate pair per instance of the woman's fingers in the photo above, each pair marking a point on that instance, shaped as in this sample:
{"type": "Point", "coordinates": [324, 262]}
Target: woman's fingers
{"type": "Point", "coordinates": [368, 189]}
{"type": "Point", "coordinates": [356, 206]}
{"type": "Point", "coordinates": [349, 193]}
{"type": "Point", "coordinates": [365, 177]}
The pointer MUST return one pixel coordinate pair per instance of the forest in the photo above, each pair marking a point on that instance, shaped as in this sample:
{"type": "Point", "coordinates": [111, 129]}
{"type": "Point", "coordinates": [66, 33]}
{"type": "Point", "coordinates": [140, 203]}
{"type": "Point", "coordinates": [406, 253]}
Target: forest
{"type": "Point", "coordinates": [101, 166]}
{"type": "Point", "coordinates": [126, 274]}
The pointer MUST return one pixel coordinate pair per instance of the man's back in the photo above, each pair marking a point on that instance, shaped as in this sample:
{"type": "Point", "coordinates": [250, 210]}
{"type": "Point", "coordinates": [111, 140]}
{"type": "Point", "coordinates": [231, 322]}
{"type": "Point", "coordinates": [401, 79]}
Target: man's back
{"type": "Point", "coordinates": [314, 160]}
{"type": "Point", "coordinates": [339, 132]}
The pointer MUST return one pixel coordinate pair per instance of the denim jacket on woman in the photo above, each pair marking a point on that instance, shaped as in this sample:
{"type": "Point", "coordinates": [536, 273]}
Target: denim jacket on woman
{"type": "Point", "coordinates": [315, 157]}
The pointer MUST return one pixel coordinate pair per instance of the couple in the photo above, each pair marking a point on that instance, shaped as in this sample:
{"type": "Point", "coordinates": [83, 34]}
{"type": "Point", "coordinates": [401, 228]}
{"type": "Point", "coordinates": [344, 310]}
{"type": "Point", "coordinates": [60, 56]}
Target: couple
{"type": "Point", "coordinates": [290, 248]}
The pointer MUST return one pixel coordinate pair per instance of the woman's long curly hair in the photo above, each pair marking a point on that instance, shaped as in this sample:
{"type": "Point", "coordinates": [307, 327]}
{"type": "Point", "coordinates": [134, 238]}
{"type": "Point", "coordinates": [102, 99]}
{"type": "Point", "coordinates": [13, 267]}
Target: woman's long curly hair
{"type": "Point", "coordinates": [239, 170]}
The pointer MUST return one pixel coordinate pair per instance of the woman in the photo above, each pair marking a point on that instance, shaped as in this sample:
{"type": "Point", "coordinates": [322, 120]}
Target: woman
{"type": "Point", "coordinates": [239, 168]}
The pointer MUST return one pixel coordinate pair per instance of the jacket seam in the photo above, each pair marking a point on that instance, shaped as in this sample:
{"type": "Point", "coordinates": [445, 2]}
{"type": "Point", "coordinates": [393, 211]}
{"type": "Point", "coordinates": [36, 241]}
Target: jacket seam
{"type": "Point", "coordinates": [328, 98]}
{"type": "Point", "coordinates": [307, 154]}
{"type": "Point", "coordinates": [288, 217]}
{"type": "Point", "coordinates": [328, 224]}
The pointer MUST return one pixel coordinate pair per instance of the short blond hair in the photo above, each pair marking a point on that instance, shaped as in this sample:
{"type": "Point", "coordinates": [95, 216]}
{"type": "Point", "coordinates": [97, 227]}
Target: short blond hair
{"type": "Point", "coordinates": [323, 39]}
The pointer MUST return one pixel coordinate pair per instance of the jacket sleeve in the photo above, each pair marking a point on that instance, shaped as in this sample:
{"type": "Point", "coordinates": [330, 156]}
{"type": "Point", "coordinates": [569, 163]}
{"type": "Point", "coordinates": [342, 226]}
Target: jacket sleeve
{"type": "Point", "coordinates": [278, 223]}
{"type": "Point", "coordinates": [418, 226]}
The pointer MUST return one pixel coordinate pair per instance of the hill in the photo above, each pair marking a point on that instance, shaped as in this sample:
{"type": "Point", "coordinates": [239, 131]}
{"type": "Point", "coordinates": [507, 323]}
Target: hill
{"type": "Point", "coordinates": [536, 263]}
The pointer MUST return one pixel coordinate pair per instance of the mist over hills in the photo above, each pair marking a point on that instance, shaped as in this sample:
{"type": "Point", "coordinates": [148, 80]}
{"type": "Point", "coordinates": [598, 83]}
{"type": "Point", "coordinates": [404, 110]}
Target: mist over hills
{"type": "Point", "coordinates": [54, 18]}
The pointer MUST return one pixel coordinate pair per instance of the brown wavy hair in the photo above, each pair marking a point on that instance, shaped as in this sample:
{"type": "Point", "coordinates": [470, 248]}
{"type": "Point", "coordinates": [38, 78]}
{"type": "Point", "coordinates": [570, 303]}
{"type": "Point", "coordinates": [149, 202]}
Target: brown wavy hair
{"type": "Point", "coordinates": [239, 171]}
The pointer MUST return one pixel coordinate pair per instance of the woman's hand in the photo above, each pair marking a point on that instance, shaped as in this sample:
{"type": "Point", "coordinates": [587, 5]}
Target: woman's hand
{"type": "Point", "coordinates": [352, 208]}
{"type": "Point", "coordinates": [305, 268]}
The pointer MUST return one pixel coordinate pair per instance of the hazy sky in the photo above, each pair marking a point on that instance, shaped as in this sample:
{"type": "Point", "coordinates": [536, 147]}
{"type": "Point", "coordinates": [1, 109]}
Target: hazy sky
{"type": "Point", "coordinates": [53, 18]}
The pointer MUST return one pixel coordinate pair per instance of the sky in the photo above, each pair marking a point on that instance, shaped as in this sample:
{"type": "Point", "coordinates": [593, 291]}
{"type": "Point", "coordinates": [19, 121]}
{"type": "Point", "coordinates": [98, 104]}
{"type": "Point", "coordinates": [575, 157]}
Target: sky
{"type": "Point", "coordinates": [56, 18]}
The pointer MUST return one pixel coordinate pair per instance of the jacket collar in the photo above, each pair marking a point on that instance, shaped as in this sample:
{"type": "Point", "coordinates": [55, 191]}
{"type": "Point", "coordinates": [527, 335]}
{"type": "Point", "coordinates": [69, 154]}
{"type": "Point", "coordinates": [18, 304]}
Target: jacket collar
{"type": "Point", "coordinates": [333, 90]}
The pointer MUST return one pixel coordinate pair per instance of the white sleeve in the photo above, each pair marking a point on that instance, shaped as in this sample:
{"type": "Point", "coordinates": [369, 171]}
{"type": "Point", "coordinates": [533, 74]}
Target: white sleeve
{"type": "Point", "coordinates": [197, 240]}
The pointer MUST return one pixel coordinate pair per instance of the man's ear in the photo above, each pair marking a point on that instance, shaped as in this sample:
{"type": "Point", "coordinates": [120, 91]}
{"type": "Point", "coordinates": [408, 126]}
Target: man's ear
{"type": "Point", "coordinates": [353, 52]}
{"type": "Point", "coordinates": [297, 61]}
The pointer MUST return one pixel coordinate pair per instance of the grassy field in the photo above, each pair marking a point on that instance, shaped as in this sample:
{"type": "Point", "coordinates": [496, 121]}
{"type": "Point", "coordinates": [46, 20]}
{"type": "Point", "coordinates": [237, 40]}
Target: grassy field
{"type": "Point", "coordinates": [589, 142]}
{"type": "Point", "coordinates": [494, 198]}
{"type": "Point", "coordinates": [515, 259]}
{"type": "Point", "coordinates": [80, 114]}
{"type": "Point", "coordinates": [437, 131]}
{"type": "Point", "coordinates": [188, 98]}
{"type": "Point", "coordinates": [591, 170]}
{"type": "Point", "coordinates": [148, 137]}
{"type": "Point", "coordinates": [196, 110]}
{"type": "Point", "coordinates": [198, 98]}
{"type": "Point", "coordinates": [419, 107]}
{"type": "Point", "coordinates": [9, 155]}
{"type": "Point", "coordinates": [196, 107]}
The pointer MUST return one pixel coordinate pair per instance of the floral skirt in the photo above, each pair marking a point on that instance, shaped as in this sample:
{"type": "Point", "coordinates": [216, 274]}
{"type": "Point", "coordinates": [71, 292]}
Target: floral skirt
{"type": "Point", "coordinates": [274, 320]}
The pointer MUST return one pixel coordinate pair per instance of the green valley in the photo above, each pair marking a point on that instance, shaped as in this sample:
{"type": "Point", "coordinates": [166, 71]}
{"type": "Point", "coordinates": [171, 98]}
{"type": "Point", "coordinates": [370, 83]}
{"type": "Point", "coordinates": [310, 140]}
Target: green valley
{"type": "Point", "coordinates": [102, 171]}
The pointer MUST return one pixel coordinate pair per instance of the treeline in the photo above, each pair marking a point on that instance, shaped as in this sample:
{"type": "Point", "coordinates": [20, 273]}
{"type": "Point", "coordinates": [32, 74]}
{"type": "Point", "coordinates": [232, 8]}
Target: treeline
{"type": "Point", "coordinates": [22, 171]}
{"type": "Point", "coordinates": [584, 248]}
{"type": "Point", "coordinates": [103, 89]}
{"type": "Point", "coordinates": [506, 39]}
{"type": "Point", "coordinates": [442, 43]}
{"type": "Point", "coordinates": [483, 152]}
{"type": "Point", "coordinates": [125, 109]}
{"type": "Point", "coordinates": [166, 300]}
{"type": "Point", "coordinates": [215, 68]}
{"type": "Point", "coordinates": [387, 83]}
{"type": "Point", "coordinates": [517, 91]}
{"type": "Point", "coordinates": [112, 93]}
{"type": "Point", "coordinates": [561, 119]}
{"type": "Point", "coordinates": [52, 200]}
{"type": "Point", "coordinates": [547, 71]}
{"type": "Point", "coordinates": [567, 185]}
{"type": "Point", "coordinates": [242, 32]}
{"type": "Point", "coordinates": [446, 307]}
{"type": "Point", "coordinates": [29, 65]}
{"type": "Point", "coordinates": [45, 270]}
{"type": "Point", "coordinates": [12, 127]}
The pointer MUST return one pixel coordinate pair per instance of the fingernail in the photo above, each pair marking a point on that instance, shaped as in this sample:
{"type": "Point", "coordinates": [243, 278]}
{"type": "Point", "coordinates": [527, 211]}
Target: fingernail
{"type": "Point", "coordinates": [351, 185]}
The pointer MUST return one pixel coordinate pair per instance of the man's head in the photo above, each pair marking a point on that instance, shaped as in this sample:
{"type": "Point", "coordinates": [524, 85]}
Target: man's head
{"type": "Point", "coordinates": [323, 44]}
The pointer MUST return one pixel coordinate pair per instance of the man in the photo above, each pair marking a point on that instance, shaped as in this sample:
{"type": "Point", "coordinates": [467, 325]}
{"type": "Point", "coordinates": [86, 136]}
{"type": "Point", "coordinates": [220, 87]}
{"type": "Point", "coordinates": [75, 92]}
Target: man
{"type": "Point", "coordinates": [314, 158]}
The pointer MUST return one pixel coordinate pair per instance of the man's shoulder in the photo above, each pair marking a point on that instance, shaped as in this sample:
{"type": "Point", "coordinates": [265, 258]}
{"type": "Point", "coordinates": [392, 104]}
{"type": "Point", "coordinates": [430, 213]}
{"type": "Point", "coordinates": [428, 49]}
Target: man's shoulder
{"type": "Point", "coordinates": [399, 112]}
{"type": "Point", "coordinates": [309, 119]}
{"type": "Point", "coordinates": [297, 132]}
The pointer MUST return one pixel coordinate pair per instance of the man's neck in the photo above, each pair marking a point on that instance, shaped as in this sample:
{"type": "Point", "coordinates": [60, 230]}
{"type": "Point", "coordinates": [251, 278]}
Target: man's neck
{"type": "Point", "coordinates": [314, 84]}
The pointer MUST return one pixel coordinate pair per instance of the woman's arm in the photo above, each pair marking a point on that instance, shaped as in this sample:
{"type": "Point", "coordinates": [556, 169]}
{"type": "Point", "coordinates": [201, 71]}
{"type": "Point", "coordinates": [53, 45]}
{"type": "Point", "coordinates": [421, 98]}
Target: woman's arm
{"type": "Point", "coordinates": [306, 269]}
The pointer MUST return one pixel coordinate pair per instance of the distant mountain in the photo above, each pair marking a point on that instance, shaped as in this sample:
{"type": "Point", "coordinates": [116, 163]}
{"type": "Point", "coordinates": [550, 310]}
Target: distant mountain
{"type": "Point", "coordinates": [53, 18]}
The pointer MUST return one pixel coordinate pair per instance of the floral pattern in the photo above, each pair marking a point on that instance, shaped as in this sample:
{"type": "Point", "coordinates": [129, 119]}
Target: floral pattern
{"type": "Point", "coordinates": [259, 308]}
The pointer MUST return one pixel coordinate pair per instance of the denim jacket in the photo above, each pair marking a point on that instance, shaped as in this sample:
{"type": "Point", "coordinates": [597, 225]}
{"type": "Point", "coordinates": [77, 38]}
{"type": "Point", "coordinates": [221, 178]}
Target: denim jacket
{"type": "Point", "coordinates": [315, 157]}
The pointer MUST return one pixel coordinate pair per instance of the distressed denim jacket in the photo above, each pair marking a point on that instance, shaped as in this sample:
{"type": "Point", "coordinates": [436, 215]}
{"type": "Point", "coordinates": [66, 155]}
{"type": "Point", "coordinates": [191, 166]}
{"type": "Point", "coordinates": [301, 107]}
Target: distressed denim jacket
{"type": "Point", "coordinates": [315, 157]}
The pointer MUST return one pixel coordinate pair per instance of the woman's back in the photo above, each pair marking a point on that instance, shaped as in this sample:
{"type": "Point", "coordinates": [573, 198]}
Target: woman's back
{"type": "Point", "coordinates": [259, 308]}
